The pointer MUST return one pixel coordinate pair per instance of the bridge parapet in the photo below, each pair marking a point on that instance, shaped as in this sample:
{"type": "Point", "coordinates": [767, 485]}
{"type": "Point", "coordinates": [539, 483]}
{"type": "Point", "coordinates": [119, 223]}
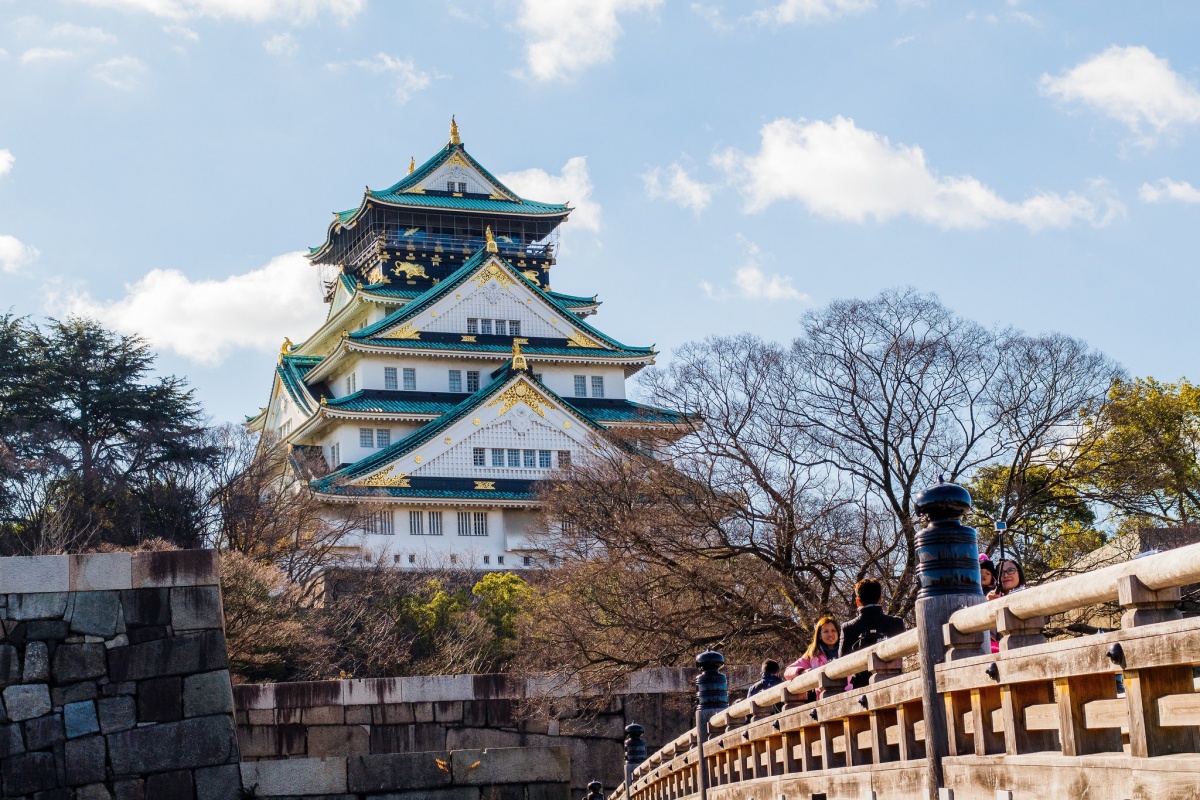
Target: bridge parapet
{"type": "Point", "coordinates": [1111, 715]}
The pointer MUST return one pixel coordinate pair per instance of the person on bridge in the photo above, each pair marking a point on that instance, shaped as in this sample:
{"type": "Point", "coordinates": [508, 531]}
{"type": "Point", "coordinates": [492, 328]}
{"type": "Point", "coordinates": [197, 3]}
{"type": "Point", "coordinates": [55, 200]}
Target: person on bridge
{"type": "Point", "coordinates": [1012, 579]}
{"type": "Point", "coordinates": [870, 627]}
{"type": "Point", "coordinates": [770, 677]}
{"type": "Point", "coordinates": [821, 650]}
{"type": "Point", "coordinates": [987, 573]}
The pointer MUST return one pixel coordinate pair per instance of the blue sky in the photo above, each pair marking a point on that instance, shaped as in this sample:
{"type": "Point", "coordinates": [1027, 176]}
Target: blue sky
{"type": "Point", "coordinates": [163, 162]}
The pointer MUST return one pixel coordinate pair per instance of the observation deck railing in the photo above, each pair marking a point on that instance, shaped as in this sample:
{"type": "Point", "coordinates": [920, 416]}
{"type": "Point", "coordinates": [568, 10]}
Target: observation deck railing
{"type": "Point", "coordinates": [1111, 715]}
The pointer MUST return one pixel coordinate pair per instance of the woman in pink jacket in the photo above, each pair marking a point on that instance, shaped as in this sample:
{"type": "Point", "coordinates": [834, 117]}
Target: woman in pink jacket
{"type": "Point", "coordinates": [821, 650]}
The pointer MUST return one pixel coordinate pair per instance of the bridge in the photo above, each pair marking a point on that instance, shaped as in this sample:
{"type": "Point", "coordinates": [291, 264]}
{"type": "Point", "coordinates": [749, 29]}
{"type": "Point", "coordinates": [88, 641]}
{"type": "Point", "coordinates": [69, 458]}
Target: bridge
{"type": "Point", "coordinates": [1111, 715]}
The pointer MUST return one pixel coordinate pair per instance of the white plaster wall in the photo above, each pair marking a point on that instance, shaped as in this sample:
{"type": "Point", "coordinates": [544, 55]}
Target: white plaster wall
{"type": "Point", "coordinates": [433, 374]}
{"type": "Point", "coordinates": [408, 551]}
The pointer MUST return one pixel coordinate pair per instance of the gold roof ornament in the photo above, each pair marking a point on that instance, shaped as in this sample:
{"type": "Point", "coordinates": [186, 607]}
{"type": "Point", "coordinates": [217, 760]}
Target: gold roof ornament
{"type": "Point", "coordinates": [518, 358]}
{"type": "Point", "coordinates": [412, 165]}
{"type": "Point", "coordinates": [454, 131]}
{"type": "Point", "coordinates": [491, 240]}
{"type": "Point", "coordinates": [286, 347]}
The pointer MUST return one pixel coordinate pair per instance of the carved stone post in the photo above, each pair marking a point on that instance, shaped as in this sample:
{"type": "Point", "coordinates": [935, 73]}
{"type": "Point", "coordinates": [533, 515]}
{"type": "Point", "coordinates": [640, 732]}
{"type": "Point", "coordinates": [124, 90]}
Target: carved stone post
{"type": "Point", "coordinates": [712, 694]}
{"type": "Point", "coordinates": [948, 574]}
{"type": "Point", "coordinates": [635, 752]}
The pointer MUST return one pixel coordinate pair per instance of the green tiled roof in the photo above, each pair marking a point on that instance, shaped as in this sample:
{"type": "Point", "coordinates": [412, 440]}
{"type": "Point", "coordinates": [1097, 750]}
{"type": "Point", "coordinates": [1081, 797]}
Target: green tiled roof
{"type": "Point", "coordinates": [609, 411]}
{"type": "Point", "coordinates": [291, 370]}
{"type": "Point", "coordinates": [432, 494]}
{"type": "Point", "coordinates": [504, 349]}
{"type": "Point", "coordinates": [396, 402]}
{"type": "Point", "coordinates": [457, 278]}
{"type": "Point", "coordinates": [573, 300]}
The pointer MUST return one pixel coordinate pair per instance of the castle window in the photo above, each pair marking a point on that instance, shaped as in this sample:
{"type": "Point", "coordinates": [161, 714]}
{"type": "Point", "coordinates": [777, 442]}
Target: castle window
{"type": "Point", "coordinates": [366, 437]}
{"type": "Point", "coordinates": [487, 559]}
{"type": "Point", "coordinates": [530, 459]}
{"type": "Point", "coordinates": [435, 523]}
{"type": "Point", "coordinates": [472, 380]}
{"type": "Point", "coordinates": [500, 560]}
{"type": "Point", "coordinates": [472, 523]}
{"type": "Point", "coordinates": [472, 325]}
{"type": "Point", "coordinates": [456, 380]}
{"type": "Point", "coordinates": [514, 458]}
{"type": "Point", "coordinates": [412, 558]}
{"type": "Point", "coordinates": [379, 523]}
{"type": "Point", "coordinates": [581, 386]}
{"type": "Point", "coordinates": [410, 379]}
{"type": "Point", "coordinates": [527, 561]}
{"type": "Point", "coordinates": [351, 383]}
{"type": "Point", "coordinates": [597, 386]}
{"type": "Point", "coordinates": [501, 327]}
{"type": "Point", "coordinates": [335, 455]}
{"type": "Point", "coordinates": [485, 326]}
{"type": "Point", "coordinates": [416, 525]}
{"type": "Point", "coordinates": [383, 437]}
{"type": "Point", "coordinates": [389, 378]}
{"type": "Point", "coordinates": [544, 459]}
{"type": "Point", "coordinates": [497, 457]}
{"type": "Point", "coordinates": [462, 187]}
{"type": "Point", "coordinates": [564, 458]}
{"type": "Point", "coordinates": [285, 428]}
{"type": "Point", "coordinates": [449, 186]}
{"type": "Point", "coordinates": [514, 327]}
{"type": "Point", "coordinates": [478, 457]}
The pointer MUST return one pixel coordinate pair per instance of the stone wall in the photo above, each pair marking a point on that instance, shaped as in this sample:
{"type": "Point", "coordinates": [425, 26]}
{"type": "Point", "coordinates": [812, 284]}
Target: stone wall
{"type": "Point", "coordinates": [372, 717]}
{"type": "Point", "coordinates": [115, 681]}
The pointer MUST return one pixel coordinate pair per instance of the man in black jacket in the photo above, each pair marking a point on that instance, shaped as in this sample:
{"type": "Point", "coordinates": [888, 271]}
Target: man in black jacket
{"type": "Point", "coordinates": [871, 626]}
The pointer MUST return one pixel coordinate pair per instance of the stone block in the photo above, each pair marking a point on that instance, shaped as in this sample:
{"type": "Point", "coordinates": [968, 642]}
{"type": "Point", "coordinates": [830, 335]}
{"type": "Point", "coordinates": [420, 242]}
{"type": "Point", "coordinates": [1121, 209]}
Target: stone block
{"type": "Point", "coordinates": [603, 727]}
{"type": "Point", "coordinates": [27, 701]}
{"type": "Point", "coordinates": [593, 758]}
{"type": "Point", "coordinates": [295, 776]}
{"type": "Point", "coordinates": [175, 568]}
{"type": "Point", "coordinates": [29, 574]}
{"type": "Point", "coordinates": [392, 771]}
{"type": "Point", "coordinates": [196, 608]}
{"type": "Point", "coordinates": [288, 716]}
{"type": "Point", "coordinates": [96, 791]}
{"type": "Point", "coordinates": [84, 760]}
{"type": "Point", "coordinates": [145, 607]}
{"type": "Point", "coordinates": [259, 716]}
{"type": "Point", "coordinates": [358, 715]}
{"type": "Point", "coordinates": [437, 688]}
{"type": "Point", "coordinates": [306, 694]}
{"type": "Point", "coordinates": [10, 740]}
{"type": "Point", "coordinates": [120, 640]}
{"type": "Point", "coordinates": [37, 662]}
{"type": "Point", "coordinates": [199, 742]}
{"type": "Point", "coordinates": [428, 736]}
{"type": "Point", "coordinates": [475, 713]}
{"type": "Point", "coordinates": [450, 793]}
{"type": "Point", "coordinates": [44, 732]}
{"type": "Point", "coordinates": [423, 712]}
{"type": "Point", "coordinates": [42, 605]}
{"type": "Point", "coordinates": [78, 662]}
{"type": "Point", "coordinates": [254, 695]}
{"type": "Point", "coordinates": [451, 711]}
{"type": "Point", "coordinates": [160, 700]}
{"type": "Point", "coordinates": [117, 714]}
{"type": "Point", "coordinates": [73, 693]}
{"type": "Point", "coordinates": [372, 691]}
{"type": "Point", "coordinates": [391, 739]}
{"type": "Point", "coordinates": [180, 655]}
{"type": "Point", "coordinates": [398, 714]}
{"type": "Point", "coordinates": [208, 693]}
{"type": "Point", "coordinates": [504, 792]}
{"type": "Point", "coordinates": [500, 714]}
{"type": "Point", "coordinates": [132, 789]}
{"type": "Point", "coordinates": [101, 572]}
{"type": "Point", "coordinates": [176, 785]}
{"type": "Point", "coordinates": [63, 793]}
{"type": "Point", "coordinates": [480, 738]}
{"type": "Point", "coordinates": [10, 665]}
{"type": "Point", "coordinates": [79, 719]}
{"type": "Point", "coordinates": [512, 765]}
{"type": "Point", "coordinates": [28, 772]}
{"type": "Point", "coordinates": [324, 715]}
{"type": "Point", "coordinates": [95, 613]}
{"type": "Point", "coordinates": [219, 783]}
{"type": "Point", "coordinates": [338, 740]}
{"type": "Point", "coordinates": [271, 741]}
{"type": "Point", "coordinates": [147, 634]}
{"type": "Point", "coordinates": [49, 630]}
{"type": "Point", "coordinates": [117, 689]}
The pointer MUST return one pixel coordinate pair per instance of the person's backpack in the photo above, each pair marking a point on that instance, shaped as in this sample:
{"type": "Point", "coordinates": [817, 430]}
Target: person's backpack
{"type": "Point", "coordinates": [869, 638]}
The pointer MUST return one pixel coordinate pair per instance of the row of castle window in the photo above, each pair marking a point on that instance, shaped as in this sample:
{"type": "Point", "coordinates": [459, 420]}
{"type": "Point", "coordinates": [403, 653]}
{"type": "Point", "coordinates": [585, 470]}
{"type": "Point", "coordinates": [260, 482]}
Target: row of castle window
{"type": "Point", "coordinates": [581, 386]}
{"type": "Point", "coordinates": [521, 459]}
{"type": "Point", "coordinates": [412, 559]}
{"type": "Point", "coordinates": [378, 437]}
{"type": "Point", "coordinates": [427, 523]}
{"type": "Point", "coordinates": [501, 327]}
{"type": "Point", "coordinates": [391, 381]}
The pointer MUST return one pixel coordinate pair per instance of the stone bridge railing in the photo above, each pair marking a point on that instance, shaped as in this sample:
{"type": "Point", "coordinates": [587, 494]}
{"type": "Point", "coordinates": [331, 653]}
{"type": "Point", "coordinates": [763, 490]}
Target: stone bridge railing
{"type": "Point", "coordinates": [1111, 715]}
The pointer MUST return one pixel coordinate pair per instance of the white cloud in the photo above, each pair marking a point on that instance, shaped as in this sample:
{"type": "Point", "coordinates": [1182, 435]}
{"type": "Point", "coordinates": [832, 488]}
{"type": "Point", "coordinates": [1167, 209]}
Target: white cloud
{"type": "Point", "coordinates": [15, 254]}
{"type": "Point", "coordinates": [281, 44]}
{"type": "Point", "coordinates": [182, 31]}
{"type": "Point", "coordinates": [565, 37]}
{"type": "Point", "coordinates": [750, 282]}
{"type": "Point", "coordinates": [244, 10]}
{"type": "Point", "coordinates": [43, 54]}
{"type": "Point", "coordinates": [409, 79]}
{"type": "Point", "coordinates": [1167, 189]}
{"type": "Point", "coordinates": [7, 159]}
{"type": "Point", "coordinates": [676, 185]}
{"type": "Point", "coordinates": [840, 171]}
{"type": "Point", "coordinates": [573, 185]}
{"type": "Point", "coordinates": [206, 320]}
{"type": "Point", "coordinates": [1132, 86]}
{"type": "Point", "coordinates": [123, 72]}
{"type": "Point", "coordinates": [805, 12]}
{"type": "Point", "coordinates": [66, 30]}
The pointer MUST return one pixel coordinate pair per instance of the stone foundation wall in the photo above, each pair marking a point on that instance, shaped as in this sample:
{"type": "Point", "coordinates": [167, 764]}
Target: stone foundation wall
{"type": "Point", "coordinates": [373, 717]}
{"type": "Point", "coordinates": [115, 680]}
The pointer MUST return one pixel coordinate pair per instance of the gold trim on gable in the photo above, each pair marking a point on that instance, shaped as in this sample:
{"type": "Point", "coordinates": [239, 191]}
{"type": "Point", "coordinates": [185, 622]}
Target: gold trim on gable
{"type": "Point", "coordinates": [577, 339]}
{"type": "Point", "coordinates": [487, 486]}
{"type": "Point", "coordinates": [522, 392]}
{"type": "Point", "coordinates": [408, 331]}
{"type": "Point", "coordinates": [495, 271]}
{"type": "Point", "coordinates": [385, 478]}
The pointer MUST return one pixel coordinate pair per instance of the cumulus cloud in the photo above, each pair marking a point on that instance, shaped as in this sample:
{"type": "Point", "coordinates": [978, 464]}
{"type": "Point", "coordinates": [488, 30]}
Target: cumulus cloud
{"type": "Point", "coordinates": [840, 171]}
{"type": "Point", "coordinates": [206, 320]}
{"type": "Point", "coordinates": [15, 254]}
{"type": "Point", "coordinates": [565, 37]}
{"type": "Point", "coordinates": [67, 30]}
{"type": "Point", "coordinates": [676, 185]}
{"type": "Point", "coordinates": [409, 80]}
{"type": "Point", "coordinates": [123, 72]}
{"type": "Point", "coordinates": [1131, 85]}
{"type": "Point", "coordinates": [243, 10]}
{"type": "Point", "coordinates": [573, 185]}
{"type": "Point", "coordinates": [805, 12]}
{"type": "Point", "coordinates": [35, 55]}
{"type": "Point", "coordinates": [281, 44]}
{"type": "Point", "coordinates": [1167, 189]}
{"type": "Point", "coordinates": [7, 159]}
{"type": "Point", "coordinates": [750, 282]}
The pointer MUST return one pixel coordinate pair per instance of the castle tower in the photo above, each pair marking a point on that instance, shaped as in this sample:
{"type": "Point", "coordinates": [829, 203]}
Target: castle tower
{"type": "Point", "coordinates": [448, 379]}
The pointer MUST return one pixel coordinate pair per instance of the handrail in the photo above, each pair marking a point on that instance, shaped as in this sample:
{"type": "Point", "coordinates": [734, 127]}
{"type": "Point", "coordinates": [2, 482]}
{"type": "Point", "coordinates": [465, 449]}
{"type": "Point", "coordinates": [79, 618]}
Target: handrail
{"type": "Point", "coordinates": [1178, 567]}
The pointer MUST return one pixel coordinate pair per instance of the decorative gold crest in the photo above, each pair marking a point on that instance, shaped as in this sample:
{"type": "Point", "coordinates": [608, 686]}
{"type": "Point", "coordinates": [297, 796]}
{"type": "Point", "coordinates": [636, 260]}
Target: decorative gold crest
{"type": "Point", "coordinates": [408, 331]}
{"type": "Point", "coordinates": [532, 276]}
{"type": "Point", "coordinates": [522, 392]}
{"type": "Point", "coordinates": [487, 486]}
{"type": "Point", "coordinates": [418, 459]}
{"type": "Point", "coordinates": [577, 339]}
{"type": "Point", "coordinates": [409, 270]}
{"type": "Point", "coordinates": [494, 271]}
{"type": "Point", "coordinates": [467, 338]}
{"type": "Point", "coordinates": [385, 478]}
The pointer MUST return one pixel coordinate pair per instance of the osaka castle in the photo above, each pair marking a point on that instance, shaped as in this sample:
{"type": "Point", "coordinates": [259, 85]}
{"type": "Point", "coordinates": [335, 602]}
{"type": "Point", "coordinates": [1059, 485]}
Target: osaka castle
{"type": "Point", "coordinates": [448, 379]}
